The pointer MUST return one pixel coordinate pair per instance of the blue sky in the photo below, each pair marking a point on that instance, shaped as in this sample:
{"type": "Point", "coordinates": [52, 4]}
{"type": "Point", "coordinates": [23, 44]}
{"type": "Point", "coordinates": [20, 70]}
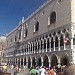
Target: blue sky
{"type": "Point", "coordinates": [12, 11]}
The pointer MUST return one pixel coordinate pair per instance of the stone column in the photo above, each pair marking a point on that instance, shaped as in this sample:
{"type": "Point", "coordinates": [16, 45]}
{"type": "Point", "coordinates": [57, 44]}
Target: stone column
{"type": "Point", "coordinates": [46, 44]}
{"type": "Point", "coordinates": [59, 43]}
{"type": "Point", "coordinates": [28, 48]}
{"type": "Point", "coordinates": [23, 62]}
{"type": "Point", "coordinates": [37, 47]}
{"type": "Point", "coordinates": [49, 63]}
{"type": "Point", "coordinates": [42, 61]}
{"type": "Point", "coordinates": [24, 49]}
{"type": "Point", "coordinates": [31, 62]}
{"type": "Point", "coordinates": [36, 60]}
{"type": "Point", "coordinates": [26, 62]}
{"type": "Point", "coordinates": [50, 44]}
{"type": "Point", "coordinates": [20, 62]}
{"type": "Point", "coordinates": [72, 43]}
{"type": "Point", "coordinates": [12, 60]}
{"type": "Point", "coordinates": [17, 61]}
{"type": "Point", "coordinates": [54, 43]}
{"type": "Point", "coordinates": [42, 45]}
{"type": "Point", "coordinates": [39, 50]}
{"type": "Point", "coordinates": [73, 52]}
{"type": "Point", "coordinates": [64, 43]}
{"type": "Point", "coordinates": [32, 47]}
{"type": "Point", "coordinates": [59, 63]}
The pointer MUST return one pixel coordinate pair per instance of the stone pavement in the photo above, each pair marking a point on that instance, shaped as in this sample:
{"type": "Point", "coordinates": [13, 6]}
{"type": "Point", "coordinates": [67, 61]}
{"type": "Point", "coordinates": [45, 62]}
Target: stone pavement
{"type": "Point", "coordinates": [10, 70]}
{"type": "Point", "coordinates": [22, 72]}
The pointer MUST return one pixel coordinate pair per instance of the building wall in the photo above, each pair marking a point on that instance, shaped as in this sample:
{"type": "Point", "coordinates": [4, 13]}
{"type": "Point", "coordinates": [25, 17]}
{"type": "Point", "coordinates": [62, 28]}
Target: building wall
{"type": "Point", "coordinates": [2, 47]}
{"type": "Point", "coordinates": [64, 16]}
{"type": "Point", "coordinates": [61, 13]}
{"type": "Point", "coordinates": [72, 11]}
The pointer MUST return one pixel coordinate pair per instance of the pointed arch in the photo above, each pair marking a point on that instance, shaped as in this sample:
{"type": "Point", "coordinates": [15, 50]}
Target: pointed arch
{"type": "Point", "coordinates": [19, 62]}
{"type": "Point", "coordinates": [46, 61]}
{"type": "Point", "coordinates": [53, 17]}
{"type": "Point", "coordinates": [65, 59]}
{"type": "Point", "coordinates": [54, 61]}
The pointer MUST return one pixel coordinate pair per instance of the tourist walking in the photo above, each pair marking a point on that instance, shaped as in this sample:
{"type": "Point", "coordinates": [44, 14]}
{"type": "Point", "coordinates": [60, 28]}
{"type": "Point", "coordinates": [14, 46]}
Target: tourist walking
{"type": "Point", "coordinates": [51, 71]}
{"type": "Point", "coordinates": [43, 71]}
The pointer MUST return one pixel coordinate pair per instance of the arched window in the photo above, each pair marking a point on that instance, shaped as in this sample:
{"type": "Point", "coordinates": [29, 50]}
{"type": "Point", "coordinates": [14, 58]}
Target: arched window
{"type": "Point", "coordinates": [19, 34]}
{"type": "Point", "coordinates": [25, 32]}
{"type": "Point", "coordinates": [36, 26]}
{"type": "Point", "coordinates": [53, 17]}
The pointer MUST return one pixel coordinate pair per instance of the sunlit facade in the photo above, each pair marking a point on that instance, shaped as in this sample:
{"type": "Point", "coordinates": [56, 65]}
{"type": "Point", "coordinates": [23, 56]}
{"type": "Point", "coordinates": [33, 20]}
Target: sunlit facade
{"type": "Point", "coordinates": [45, 38]}
{"type": "Point", "coordinates": [2, 47]}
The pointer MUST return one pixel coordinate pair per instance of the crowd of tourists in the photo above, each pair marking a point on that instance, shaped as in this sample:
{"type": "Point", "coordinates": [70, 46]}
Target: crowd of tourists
{"type": "Point", "coordinates": [62, 70]}
{"type": "Point", "coordinates": [47, 71]}
{"type": "Point", "coordinates": [65, 70]}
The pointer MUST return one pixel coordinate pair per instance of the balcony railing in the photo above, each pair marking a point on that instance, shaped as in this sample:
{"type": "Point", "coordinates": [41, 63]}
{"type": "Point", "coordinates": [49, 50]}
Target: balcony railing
{"type": "Point", "coordinates": [68, 47]}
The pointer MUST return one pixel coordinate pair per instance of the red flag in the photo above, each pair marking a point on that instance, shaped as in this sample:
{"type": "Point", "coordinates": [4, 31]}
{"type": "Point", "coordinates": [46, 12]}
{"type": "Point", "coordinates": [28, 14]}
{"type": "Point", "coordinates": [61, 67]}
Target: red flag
{"type": "Point", "coordinates": [65, 40]}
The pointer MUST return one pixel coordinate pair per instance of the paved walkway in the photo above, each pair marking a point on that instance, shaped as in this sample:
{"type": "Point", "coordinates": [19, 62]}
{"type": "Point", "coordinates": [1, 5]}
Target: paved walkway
{"type": "Point", "coordinates": [10, 70]}
{"type": "Point", "coordinates": [22, 72]}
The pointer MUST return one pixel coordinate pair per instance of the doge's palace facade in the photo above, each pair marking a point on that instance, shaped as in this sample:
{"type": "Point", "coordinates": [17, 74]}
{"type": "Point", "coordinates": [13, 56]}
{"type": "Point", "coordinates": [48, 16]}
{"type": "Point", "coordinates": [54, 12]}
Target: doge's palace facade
{"type": "Point", "coordinates": [45, 38]}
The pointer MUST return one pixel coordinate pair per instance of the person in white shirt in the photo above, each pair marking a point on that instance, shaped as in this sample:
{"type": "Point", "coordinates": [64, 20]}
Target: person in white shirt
{"type": "Point", "coordinates": [43, 71]}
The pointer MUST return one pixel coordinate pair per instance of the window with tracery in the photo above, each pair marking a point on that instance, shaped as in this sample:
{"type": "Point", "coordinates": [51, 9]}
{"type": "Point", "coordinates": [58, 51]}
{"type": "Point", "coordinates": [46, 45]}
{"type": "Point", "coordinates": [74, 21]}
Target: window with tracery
{"type": "Point", "coordinates": [19, 34]}
{"type": "Point", "coordinates": [53, 17]}
{"type": "Point", "coordinates": [36, 26]}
